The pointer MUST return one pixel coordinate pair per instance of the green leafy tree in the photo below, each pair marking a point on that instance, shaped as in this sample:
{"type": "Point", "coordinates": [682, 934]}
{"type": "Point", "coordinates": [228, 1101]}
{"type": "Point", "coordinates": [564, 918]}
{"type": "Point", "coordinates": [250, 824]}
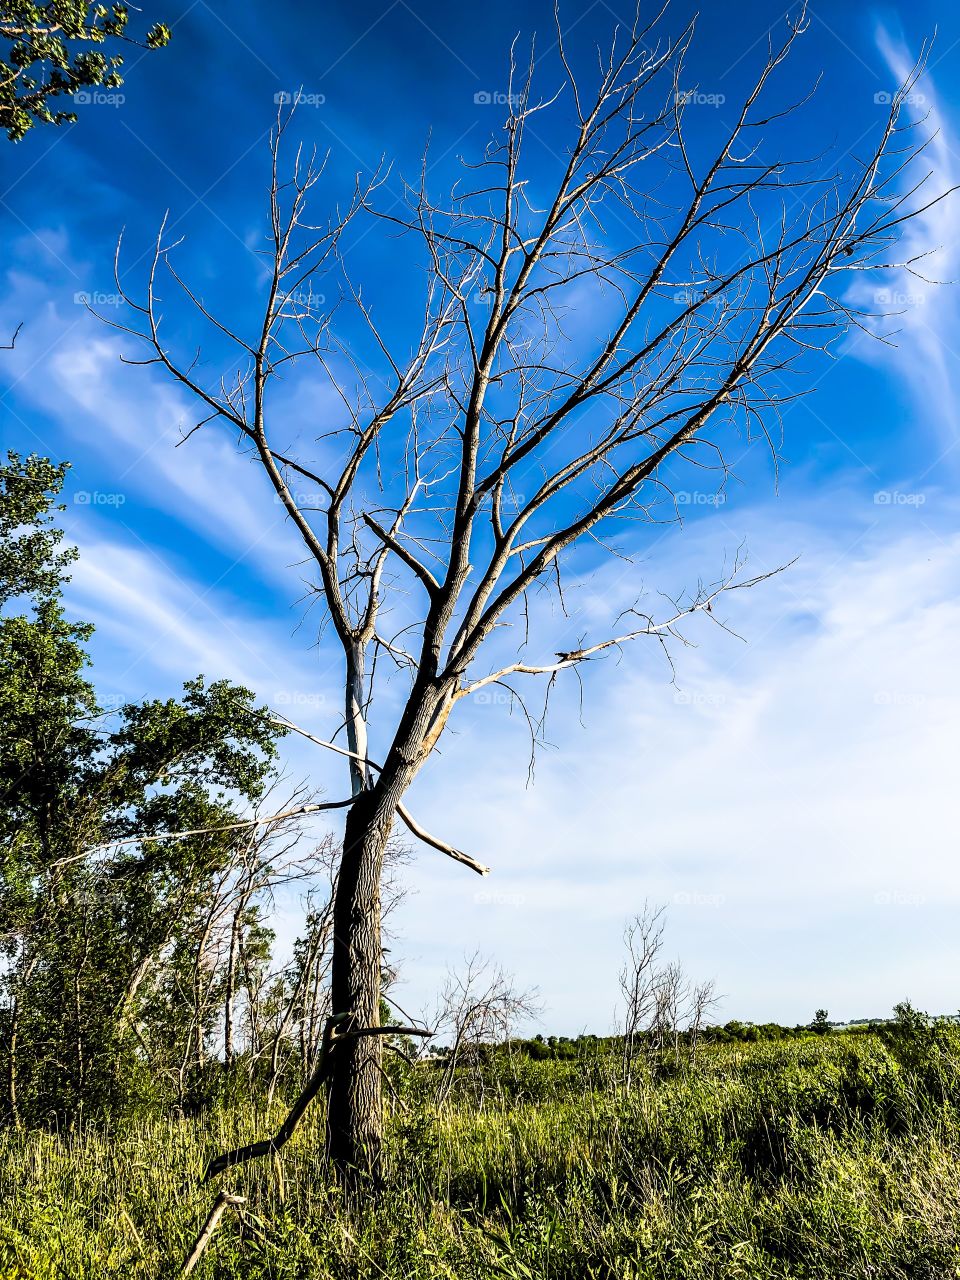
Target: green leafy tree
{"type": "Point", "coordinates": [59, 49]}
{"type": "Point", "coordinates": [32, 562]}
{"type": "Point", "coordinates": [92, 908]}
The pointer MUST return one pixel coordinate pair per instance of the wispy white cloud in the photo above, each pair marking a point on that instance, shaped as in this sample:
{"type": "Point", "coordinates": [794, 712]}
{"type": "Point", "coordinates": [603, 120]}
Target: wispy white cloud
{"type": "Point", "coordinates": [920, 304]}
{"type": "Point", "coordinates": [157, 626]}
{"type": "Point", "coordinates": [81, 401]}
{"type": "Point", "coordinates": [792, 800]}
{"type": "Point", "coordinates": [140, 420]}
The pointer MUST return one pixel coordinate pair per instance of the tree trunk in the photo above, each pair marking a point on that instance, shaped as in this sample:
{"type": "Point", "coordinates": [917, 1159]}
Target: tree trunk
{"type": "Point", "coordinates": [230, 993]}
{"type": "Point", "coordinates": [355, 1107]}
{"type": "Point", "coordinates": [355, 1099]}
{"type": "Point", "coordinates": [12, 1049]}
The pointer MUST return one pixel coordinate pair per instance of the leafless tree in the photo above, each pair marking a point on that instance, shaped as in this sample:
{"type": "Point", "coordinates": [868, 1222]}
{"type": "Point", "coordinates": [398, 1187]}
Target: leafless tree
{"type": "Point", "coordinates": [703, 1000]}
{"type": "Point", "coordinates": [671, 991]}
{"type": "Point", "coordinates": [470, 461]}
{"type": "Point", "coordinates": [663, 1008]}
{"type": "Point", "coordinates": [266, 854]}
{"type": "Point", "coordinates": [479, 1005]}
{"type": "Point", "coordinates": [305, 1003]}
{"type": "Point", "coordinates": [639, 980]}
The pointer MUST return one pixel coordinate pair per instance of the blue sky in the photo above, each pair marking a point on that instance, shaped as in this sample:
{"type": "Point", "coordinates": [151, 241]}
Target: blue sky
{"type": "Point", "coordinates": [790, 798]}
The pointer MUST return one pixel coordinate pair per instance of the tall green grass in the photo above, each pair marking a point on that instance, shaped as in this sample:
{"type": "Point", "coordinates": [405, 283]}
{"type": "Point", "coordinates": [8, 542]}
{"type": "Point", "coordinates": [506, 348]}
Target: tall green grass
{"type": "Point", "coordinates": [836, 1158]}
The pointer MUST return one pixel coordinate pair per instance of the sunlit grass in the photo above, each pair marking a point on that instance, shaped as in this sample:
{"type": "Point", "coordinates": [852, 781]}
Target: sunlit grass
{"type": "Point", "coordinates": [827, 1158]}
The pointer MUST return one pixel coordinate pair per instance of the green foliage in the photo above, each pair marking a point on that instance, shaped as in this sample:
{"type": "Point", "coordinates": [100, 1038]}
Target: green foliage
{"type": "Point", "coordinates": [31, 562]}
{"type": "Point", "coordinates": [99, 925]}
{"type": "Point", "coordinates": [929, 1048]}
{"type": "Point", "coordinates": [818, 1158]}
{"type": "Point", "coordinates": [821, 1022]}
{"type": "Point", "coordinates": [56, 49]}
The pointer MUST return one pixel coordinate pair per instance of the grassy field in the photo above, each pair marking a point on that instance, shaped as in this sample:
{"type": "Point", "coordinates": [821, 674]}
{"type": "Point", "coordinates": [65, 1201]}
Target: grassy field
{"type": "Point", "coordinates": [834, 1157]}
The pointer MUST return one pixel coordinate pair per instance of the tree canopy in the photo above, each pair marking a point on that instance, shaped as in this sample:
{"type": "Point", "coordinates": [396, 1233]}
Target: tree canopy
{"type": "Point", "coordinates": [124, 861]}
{"type": "Point", "coordinates": [55, 50]}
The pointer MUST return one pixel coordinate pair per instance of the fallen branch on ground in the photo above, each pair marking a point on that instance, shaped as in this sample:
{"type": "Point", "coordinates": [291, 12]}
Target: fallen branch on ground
{"type": "Point", "coordinates": [223, 1201]}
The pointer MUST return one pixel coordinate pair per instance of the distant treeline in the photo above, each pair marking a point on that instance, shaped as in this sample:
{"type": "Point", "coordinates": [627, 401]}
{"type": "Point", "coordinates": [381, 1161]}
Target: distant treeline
{"type": "Point", "coordinates": [543, 1048]}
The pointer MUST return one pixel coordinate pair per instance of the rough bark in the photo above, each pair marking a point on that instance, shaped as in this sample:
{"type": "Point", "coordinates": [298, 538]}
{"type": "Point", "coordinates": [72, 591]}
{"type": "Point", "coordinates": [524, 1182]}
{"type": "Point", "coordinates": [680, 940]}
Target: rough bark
{"type": "Point", "coordinates": [355, 1108]}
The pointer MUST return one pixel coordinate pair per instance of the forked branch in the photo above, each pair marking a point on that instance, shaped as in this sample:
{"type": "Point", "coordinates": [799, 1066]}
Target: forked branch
{"type": "Point", "coordinates": [337, 1029]}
